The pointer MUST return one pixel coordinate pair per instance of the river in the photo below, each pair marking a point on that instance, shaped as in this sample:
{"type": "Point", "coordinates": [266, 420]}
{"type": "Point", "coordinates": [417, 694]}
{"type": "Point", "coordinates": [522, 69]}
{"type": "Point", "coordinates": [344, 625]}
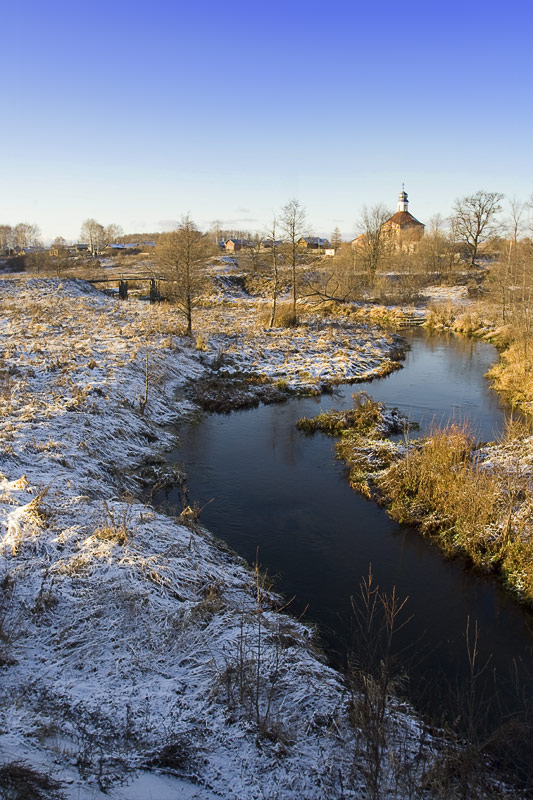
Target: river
{"type": "Point", "coordinates": [282, 493]}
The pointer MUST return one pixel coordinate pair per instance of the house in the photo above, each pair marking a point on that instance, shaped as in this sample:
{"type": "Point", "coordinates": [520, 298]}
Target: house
{"type": "Point", "coordinates": [402, 225]}
{"type": "Point", "coordinates": [234, 245]}
{"type": "Point", "coordinates": [312, 243]}
{"type": "Point", "coordinates": [266, 244]}
{"type": "Point", "coordinates": [122, 246]}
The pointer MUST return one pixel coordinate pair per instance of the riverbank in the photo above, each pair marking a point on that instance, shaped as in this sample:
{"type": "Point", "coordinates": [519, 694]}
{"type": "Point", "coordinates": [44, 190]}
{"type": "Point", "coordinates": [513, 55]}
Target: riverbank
{"type": "Point", "coordinates": [450, 309]}
{"type": "Point", "coordinates": [474, 501]}
{"type": "Point", "coordinates": [512, 376]}
{"type": "Point", "coordinates": [138, 655]}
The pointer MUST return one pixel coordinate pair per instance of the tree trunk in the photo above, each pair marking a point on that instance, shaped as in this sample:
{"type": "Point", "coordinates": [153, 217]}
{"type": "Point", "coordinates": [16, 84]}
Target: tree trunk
{"type": "Point", "coordinates": [189, 316]}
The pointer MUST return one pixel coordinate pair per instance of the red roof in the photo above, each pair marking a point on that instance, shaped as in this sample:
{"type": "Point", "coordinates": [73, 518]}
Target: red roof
{"type": "Point", "coordinates": [403, 218]}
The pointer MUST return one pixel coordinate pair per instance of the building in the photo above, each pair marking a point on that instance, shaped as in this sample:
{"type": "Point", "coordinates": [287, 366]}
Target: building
{"type": "Point", "coordinates": [267, 244]}
{"type": "Point", "coordinates": [312, 243]}
{"type": "Point", "coordinates": [402, 225]}
{"type": "Point", "coordinates": [234, 245]}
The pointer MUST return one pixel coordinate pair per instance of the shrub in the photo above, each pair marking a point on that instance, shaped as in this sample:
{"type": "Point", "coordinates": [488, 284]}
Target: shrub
{"type": "Point", "coordinates": [18, 781]}
{"type": "Point", "coordinates": [113, 529]}
{"type": "Point", "coordinates": [440, 485]}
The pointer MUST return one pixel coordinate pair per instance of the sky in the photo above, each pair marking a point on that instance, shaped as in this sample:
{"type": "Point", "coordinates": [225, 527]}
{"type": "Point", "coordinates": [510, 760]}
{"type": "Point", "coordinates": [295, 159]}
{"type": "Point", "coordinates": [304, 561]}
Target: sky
{"type": "Point", "coordinates": [136, 113]}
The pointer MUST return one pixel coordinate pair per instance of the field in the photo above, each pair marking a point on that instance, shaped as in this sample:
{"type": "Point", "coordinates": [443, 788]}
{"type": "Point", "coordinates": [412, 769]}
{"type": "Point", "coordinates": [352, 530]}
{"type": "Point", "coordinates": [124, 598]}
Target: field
{"type": "Point", "coordinates": [137, 654]}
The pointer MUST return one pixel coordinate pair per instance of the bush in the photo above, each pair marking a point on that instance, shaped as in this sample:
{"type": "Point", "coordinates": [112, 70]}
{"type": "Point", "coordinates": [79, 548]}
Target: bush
{"type": "Point", "coordinates": [441, 486]}
{"type": "Point", "coordinates": [18, 781]}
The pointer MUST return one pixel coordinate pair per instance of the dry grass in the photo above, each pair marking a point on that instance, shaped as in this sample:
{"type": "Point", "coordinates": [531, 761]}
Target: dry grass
{"type": "Point", "coordinates": [364, 418]}
{"type": "Point", "coordinates": [361, 429]}
{"type": "Point", "coordinates": [113, 529]}
{"type": "Point", "coordinates": [486, 515]}
{"type": "Point", "coordinates": [513, 375]}
{"type": "Point", "coordinates": [438, 484]}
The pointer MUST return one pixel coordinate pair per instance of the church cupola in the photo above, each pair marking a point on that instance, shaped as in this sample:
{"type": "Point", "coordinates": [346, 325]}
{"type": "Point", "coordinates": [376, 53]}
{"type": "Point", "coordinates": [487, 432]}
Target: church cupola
{"type": "Point", "coordinates": [403, 202]}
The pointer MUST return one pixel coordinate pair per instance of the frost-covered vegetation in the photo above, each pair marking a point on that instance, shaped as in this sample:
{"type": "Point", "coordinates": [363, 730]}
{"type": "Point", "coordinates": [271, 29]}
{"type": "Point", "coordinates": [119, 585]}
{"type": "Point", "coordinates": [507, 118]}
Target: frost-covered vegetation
{"type": "Point", "coordinates": [475, 501]}
{"type": "Point", "coordinates": [138, 657]}
{"type": "Point", "coordinates": [310, 358]}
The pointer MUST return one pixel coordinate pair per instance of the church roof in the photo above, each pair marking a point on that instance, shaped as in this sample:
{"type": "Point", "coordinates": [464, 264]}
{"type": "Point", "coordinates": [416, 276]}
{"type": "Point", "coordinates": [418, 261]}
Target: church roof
{"type": "Point", "coordinates": [404, 218]}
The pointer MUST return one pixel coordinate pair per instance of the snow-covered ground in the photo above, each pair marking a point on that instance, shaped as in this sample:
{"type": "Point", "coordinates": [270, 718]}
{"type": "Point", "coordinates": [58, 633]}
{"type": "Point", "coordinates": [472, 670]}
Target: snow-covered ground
{"type": "Point", "coordinates": [458, 295]}
{"type": "Point", "coordinates": [305, 358]}
{"type": "Point", "coordinates": [138, 657]}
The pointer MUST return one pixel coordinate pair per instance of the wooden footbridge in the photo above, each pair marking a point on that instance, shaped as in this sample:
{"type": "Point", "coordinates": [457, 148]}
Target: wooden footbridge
{"type": "Point", "coordinates": [406, 319]}
{"type": "Point", "coordinates": [153, 284]}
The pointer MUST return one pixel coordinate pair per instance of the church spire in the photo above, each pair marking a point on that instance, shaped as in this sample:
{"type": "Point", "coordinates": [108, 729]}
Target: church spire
{"type": "Point", "coordinates": [403, 202]}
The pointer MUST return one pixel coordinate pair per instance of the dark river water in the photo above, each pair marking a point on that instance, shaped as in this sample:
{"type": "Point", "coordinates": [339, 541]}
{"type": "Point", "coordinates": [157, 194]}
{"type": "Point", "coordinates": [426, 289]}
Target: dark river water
{"type": "Point", "coordinates": [283, 493]}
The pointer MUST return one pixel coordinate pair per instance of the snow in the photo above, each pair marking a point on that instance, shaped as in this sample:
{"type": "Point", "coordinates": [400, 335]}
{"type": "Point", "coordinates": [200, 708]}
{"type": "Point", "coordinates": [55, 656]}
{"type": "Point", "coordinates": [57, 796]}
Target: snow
{"type": "Point", "coordinates": [318, 352]}
{"type": "Point", "coordinates": [139, 658]}
{"type": "Point", "coordinates": [458, 295]}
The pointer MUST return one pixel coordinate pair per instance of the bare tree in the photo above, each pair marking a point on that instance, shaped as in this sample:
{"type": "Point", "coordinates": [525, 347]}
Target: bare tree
{"type": "Point", "coordinates": [333, 280]}
{"type": "Point", "coordinates": [97, 236]}
{"type": "Point", "coordinates": [215, 231]}
{"type": "Point", "coordinates": [374, 242]}
{"type": "Point", "coordinates": [254, 254]}
{"type": "Point", "coordinates": [432, 252]}
{"type": "Point", "coordinates": [112, 233]}
{"type": "Point", "coordinates": [292, 223]}
{"type": "Point", "coordinates": [181, 255]}
{"type": "Point", "coordinates": [336, 238]}
{"type": "Point", "coordinates": [474, 219]}
{"type": "Point", "coordinates": [25, 235]}
{"type": "Point", "coordinates": [274, 255]}
{"type": "Point", "coordinates": [504, 276]}
{"type": "Point", "coordinates": [37, 260]}
{"type": "Point", "coordinates": [515, 221]}
{"type": "Point", "coordinates": [58, 256]}
{"type": "Point", "coordinates": [6, 238]}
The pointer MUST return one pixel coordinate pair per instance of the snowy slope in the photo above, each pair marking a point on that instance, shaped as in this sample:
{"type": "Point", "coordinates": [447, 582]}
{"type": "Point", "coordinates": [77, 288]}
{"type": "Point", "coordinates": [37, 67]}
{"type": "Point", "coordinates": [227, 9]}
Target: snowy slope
{"type": "Point", "coordinates": [138, 657]}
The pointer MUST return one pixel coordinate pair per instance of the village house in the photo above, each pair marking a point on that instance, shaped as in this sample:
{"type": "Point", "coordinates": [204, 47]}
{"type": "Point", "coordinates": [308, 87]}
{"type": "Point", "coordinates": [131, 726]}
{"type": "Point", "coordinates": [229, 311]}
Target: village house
{"type": "Point", "coordinates": [267, 244]}
{"type": "Point", "coordinates": [312, 243]}
{"type": "Point", "coordinates": [234, 245]}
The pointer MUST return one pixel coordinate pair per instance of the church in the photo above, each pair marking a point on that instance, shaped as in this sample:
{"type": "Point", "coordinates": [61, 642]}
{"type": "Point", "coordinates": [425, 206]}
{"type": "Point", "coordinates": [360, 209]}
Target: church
{"type": "Point", "coordinates": [402, 225]}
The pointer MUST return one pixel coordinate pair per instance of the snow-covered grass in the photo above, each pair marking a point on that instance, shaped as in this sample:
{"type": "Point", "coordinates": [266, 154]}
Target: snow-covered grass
{"type": "Point", "coordinates": [138, 657]}
{"type": "Point", "coordinates": [310, 357]}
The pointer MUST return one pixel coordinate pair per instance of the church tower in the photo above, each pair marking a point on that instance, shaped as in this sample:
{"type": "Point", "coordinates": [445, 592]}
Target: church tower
{"type": "Point", "coordinates": [402, 225]}
{"type": "Point", "coordinates": [403, 202]}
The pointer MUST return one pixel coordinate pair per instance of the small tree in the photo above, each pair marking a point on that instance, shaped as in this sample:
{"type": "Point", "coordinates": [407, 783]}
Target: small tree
{"type": "Point", "coordinates": [336, 238]}
{"type": "Point", "coordinates": [374, 242]}
{"type": "Point", "coordinates": [474, 219]}
{"type": "Point", "coordinates": [97, 236]}
{"type": "Point", "coordinates": [292, 222]}
{"type": "Point", "coordinates": [433, 250]}
{"type": "Point", "coordinates": [254, 255]}
{"type": "Point", "coordinates": [6, 239]}
{"type": "Point", "coordinates": [181, 255]}
{"type": "Point", "coordinates": [275, 270]}
{"type": "Point", "coordinates": [58, 256]}
{"type": "Point", "coordinates": [37, 261]}
{"type": "Point", "coordinates": [25, 235]}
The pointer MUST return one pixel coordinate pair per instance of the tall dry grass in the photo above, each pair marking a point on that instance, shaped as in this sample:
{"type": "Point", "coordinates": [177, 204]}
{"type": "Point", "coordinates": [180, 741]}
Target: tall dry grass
{"type": "Point", "coordinates": [486, 515]}
{"type": "Point", "coordinates": [512, 376]}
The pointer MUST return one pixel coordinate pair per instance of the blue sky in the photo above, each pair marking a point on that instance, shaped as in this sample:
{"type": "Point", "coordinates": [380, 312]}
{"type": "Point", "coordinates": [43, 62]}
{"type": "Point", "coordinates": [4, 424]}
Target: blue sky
{"type": "Point", "coordinates": [135, 113]}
